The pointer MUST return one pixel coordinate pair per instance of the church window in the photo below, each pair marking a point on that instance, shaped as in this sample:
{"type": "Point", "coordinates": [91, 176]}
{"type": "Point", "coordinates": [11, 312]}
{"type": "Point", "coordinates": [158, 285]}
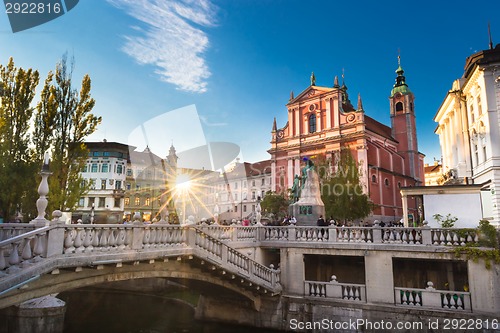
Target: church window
{"type": "Point", "coordinates": [374, 179]}
{"type": "Point", "coordinates": [399, 184]}
{"type": "Point", "coordinates": [472, 119]}
{"type": "Point", "coordinates": [411, 107]}
{"type": "Point", "coordinates": [399, 106]}
{"type": "Point", "coordinates": [386, 182]}
{"type": "Point", "coordinates": [479, 107]}
{"type": "Point", "coordinates": [312, 123]}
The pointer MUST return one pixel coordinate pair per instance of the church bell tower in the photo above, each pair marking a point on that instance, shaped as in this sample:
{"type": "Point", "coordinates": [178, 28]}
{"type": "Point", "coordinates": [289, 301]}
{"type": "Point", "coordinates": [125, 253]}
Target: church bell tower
{"type": "Point", "coordinates": [403, 124]}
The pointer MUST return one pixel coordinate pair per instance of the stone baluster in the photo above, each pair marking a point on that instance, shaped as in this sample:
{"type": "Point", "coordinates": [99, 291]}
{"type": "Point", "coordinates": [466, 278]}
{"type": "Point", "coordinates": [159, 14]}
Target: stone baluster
{"type": "Point", "coordinates": [43, 190]}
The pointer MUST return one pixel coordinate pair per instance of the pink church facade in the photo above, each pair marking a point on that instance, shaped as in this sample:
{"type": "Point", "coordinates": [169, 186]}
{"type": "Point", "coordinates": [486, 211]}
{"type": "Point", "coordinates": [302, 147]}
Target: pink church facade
{"type": "Point", "coordinates": [322, 121]}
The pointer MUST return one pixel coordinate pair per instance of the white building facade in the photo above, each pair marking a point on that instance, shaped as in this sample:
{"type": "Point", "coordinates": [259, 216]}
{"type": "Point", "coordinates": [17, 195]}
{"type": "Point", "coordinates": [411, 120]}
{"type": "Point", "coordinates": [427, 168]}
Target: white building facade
{"type": "Point", "coordinates": [105, 171]}
{"type": "Point", "coordinates": [469, 129]}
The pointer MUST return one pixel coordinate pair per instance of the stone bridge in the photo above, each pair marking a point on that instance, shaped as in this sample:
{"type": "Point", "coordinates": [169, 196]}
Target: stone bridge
{"type": "Point", "coordinates": [288, 273]}
{"type": "Point", "coordinates": [50, 259]}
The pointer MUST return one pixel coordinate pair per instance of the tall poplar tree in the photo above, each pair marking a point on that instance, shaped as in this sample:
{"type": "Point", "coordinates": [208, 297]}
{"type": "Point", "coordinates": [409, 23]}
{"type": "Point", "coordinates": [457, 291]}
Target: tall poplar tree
{"type": "Point", "coordinates": [17, 90]}
{"type": "Point", "coordinates": [65, 120]}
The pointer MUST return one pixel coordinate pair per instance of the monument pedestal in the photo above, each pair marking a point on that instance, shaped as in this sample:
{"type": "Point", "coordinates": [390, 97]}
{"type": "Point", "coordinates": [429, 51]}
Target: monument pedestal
{"type": "Point", "coordinates": [309, 207]}
{"type": "Point", "coordinates": [305, 214]}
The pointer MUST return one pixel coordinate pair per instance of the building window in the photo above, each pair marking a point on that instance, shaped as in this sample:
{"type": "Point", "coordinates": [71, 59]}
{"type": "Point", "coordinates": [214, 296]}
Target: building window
{"type": "Point", "coordinates": [129, 172]}
{"type": "Point", "coordinates": [484, 153]}
{"type": "Point", "coordinates": [253, 195]}
{"type": "Point", "coordinates": [236, 209]}
{"type": "Point", "coordinates": [92, 183]}
{"type": "Point", "coordinates": [129, 186]}
{"type": "Point", "coordinates": [102, 202]}
{"type": "Point", "coordinates": [374, 179]}
{"type": "Point", "coordinates": [127, 201]}
{"type": "Point", "coordinates": [312, 123]}
{"type": "Point", "coordinates": [244, 208]}
{"type": "Point", "coordinates": [263, 181]}
{"type": "Point", "coordinates": [85, 168]}
{"type": "Point", "coordinates": [479, 107]}
{"type": "Point", "coordinates": [94, 167]}
{"type": "Point", "coordinates": [118, 185]}
{"type": "Point", "coordinates": [236, 197]}
{"type": "Point", "coordinates": [386, 182]}
{"type": "Point", "coordinates": [91, 201]}
{"type": "Point", "coordinates": [235, 186]}
{"type": "Point", "coordinates": [244, 195]}
{"type": "Point", "coordinates": [399, 184]}
{"type": "Point", "coordinates": [137, 201]}
{"type": "Point", "coordinates": [244, 183]}
{"type": "Point", "coordinates": [147, 201]}
{"type": "Point", "coordinates": [105, 168]}
{"type": "Point", "coordinates": [81, 202]}
{"type": "Point", "coordinates": [117, 202]}
{"type": "Point", "coordinates": [253, 182]}
{"type": "Point", "coordinates": [103, 184]}
{"type": "Point", "coordinates": [119, 169]}
{"type": "Point", "coordinates": [472, 118]}
{"type": "Point", "coordinates": [399, 106]}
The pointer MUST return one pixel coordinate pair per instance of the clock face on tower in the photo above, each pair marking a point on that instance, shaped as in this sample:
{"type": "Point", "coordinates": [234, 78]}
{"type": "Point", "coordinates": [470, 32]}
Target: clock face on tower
{"type": "Point", "coordinates": [280, 134]}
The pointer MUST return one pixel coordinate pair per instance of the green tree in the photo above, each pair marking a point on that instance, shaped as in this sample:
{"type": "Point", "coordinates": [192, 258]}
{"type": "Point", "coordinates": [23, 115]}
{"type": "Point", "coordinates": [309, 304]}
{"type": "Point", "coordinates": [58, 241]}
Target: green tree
{"type": "Point", "coordinates": [275, 204]}
{"type": "Point", "coordinates": [64, 118]}
{"type": "Point", "coordinates": [17, 170]}
{"type": "Point", "coordinates": [342, 192]}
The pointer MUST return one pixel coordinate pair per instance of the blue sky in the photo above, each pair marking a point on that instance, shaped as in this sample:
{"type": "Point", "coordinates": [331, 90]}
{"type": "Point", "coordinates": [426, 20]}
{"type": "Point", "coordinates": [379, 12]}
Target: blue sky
{"type": "Point", "coordinates": [236, 61]}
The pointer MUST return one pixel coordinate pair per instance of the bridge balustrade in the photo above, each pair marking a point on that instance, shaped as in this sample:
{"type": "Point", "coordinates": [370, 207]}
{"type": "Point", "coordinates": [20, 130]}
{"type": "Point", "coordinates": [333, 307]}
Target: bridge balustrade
{"type": "Point", "coordinates": [335, 290]}
{"type": "Point", "coordinates": [10, 230]}
{"type": "Point", "coordinates": [433, 299]}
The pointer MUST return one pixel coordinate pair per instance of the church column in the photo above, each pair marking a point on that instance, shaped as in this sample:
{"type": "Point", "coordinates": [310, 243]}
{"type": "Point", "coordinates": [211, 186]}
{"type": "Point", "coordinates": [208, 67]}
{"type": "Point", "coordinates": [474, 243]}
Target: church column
{"type": "Point", "coordinates": [297, 166]}
{"type": "Point", "coordinates": [273, 176]}
{"type": "Point", "coordinates": [319, 126]}
{"type": "Point", "coordinates": [289, 173]}
{"type": "Point", "coordinates": [328, 113]}
{"type": "Point", "coordinates": [306, 124]}
{"type": "Point", "coordinates": [297, 121]}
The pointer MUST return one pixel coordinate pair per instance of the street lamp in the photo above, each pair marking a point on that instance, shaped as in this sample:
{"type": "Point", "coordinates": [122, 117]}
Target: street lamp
{"type": "Point", "coordinates": [92, 213]}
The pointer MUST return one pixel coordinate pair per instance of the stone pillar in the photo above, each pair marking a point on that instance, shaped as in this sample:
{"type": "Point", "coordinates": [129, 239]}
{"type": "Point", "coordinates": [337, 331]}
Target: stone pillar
{"type": "Point", "coordinates": [292, 271]}
{"type": "Point", "coordinates": [404, 200]}
{"type": "Point", "coordinates": [38, 315]}
{"type": "Point", "coordinates": [379, 277]}
{"type": "Point", "coordinates": [484, 287]}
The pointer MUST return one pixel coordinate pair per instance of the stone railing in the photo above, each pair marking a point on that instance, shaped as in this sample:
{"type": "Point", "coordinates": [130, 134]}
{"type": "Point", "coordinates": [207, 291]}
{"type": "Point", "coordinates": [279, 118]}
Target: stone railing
{"type": "Point", "coordinates": [220, 253]}
{"type": "Point", "coordinates": [336, 290]}
{"type": "Point", "coordinates": [376, 235]}
{"type": "Point", "coordinates": [230, 233]}
{"type": "Point", "coordinates": [433, 299]}
{"type": "Point", "coordinates": [10, 230]}
{"type": "Point", "coordinates": [19, 251]}
{"type": "Point", "coordinates": [66, 243]}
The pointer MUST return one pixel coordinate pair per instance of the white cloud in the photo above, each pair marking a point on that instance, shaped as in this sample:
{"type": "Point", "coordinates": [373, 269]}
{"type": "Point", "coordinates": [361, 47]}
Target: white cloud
{"type": "Point", "coordinates": [171, 40]}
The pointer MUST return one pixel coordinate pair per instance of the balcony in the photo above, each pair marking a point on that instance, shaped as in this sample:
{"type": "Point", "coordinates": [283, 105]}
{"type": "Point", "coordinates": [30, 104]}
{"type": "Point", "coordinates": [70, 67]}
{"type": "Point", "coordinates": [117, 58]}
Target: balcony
{"type": "Point", "coordinates": [118, 193]}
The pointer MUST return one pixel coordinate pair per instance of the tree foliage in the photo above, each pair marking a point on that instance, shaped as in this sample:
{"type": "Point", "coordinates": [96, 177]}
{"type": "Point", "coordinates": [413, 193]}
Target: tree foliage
{"type": "Point", "coordinates": [17, 89]}
{"type": "Point", "coordinates": [59, 123]}
{"type": "Point", "coordinates": [65, 120]}
{"type": "Point", "coordinates": [341, 189]}
{"type": "Point", "coordinates": [275, 204]}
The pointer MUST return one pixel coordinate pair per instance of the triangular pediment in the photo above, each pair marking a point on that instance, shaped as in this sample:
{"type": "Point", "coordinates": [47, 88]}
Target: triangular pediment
{"type": "Point", "coordinates": [310, 92]}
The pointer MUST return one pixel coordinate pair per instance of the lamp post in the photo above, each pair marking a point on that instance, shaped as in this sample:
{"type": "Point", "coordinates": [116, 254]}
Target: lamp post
{"type": "Point", "coordinates": [92, 213]}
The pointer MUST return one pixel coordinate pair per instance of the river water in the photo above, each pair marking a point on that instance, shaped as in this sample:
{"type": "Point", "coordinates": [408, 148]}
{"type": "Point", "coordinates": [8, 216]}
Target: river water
{"type": "Point", "coordinates": [120, 312]}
